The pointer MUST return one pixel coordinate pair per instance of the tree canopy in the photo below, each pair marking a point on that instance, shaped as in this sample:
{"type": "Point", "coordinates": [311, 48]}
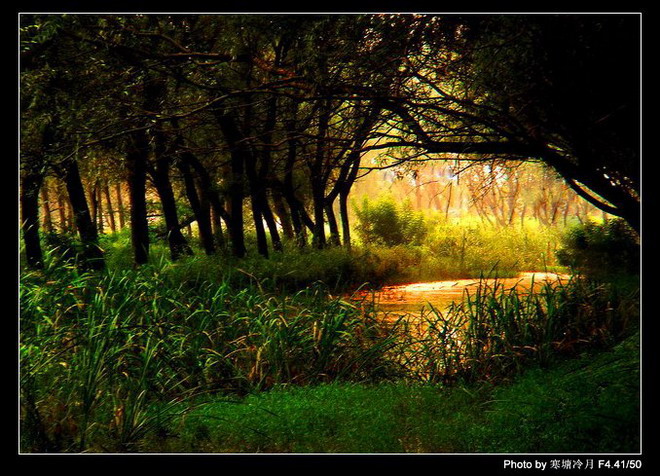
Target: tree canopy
{"type": "Point", "coordinates": [278, 111]}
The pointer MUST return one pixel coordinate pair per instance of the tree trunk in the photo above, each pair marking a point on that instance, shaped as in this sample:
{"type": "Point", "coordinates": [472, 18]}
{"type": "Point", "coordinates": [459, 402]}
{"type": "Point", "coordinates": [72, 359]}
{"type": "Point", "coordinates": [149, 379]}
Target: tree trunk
{"type": "Point", "coordinates": [318, 197]}
{"type": "Point", "coordinates": [93, 205]}
{"type": "Point", "coordinates": [282, 213]}
{"type": "Point", "coordinates": [30, 219]}
{"type": "Point", "coordinates": [216, 221]}
{"type": "Point", "coordinates": [232, 136]}
{"type": "Point", "coordinates": [111, 211]}
{"type": "Point", "coordinates": [45, 199]}
{"type": "Point", "coordinates": [202, 213]}
{"type": "Point", "coordinates": [121, 212]}
{"type": "Point", "coordinates": [270, 222]}
{"type": "Point", "coordinates": [334, 239]}
{"type": "Point", "coordinates": [137, 185]}
{"type": "Point", "coordinates": [177, 243]}
{"type": "Point", "coordinates": [343, 213]}
{"type": "Point", "coordinates": [99, 206]}
{"type": "Point", "coordinates": [62, 207]}
{"type": "Point", "coordinates": [92, 254]}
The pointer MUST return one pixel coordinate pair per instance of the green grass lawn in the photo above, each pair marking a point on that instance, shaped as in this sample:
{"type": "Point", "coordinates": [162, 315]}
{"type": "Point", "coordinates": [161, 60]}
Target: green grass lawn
{"type": "Point", "coordinates": [587, 404]}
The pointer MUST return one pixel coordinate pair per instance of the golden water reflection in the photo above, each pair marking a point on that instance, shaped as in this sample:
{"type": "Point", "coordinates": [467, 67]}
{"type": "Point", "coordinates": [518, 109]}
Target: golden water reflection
{"type": "Point", "coordinates": [415, 297]}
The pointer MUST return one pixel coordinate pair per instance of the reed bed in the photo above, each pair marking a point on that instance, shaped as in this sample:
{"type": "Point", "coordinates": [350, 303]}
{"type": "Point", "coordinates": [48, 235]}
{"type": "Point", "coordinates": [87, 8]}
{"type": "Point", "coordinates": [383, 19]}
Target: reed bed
{"type": "Point", "coordinates": [496, 331]}
{"type": "Point", "coordinates": [109, 359]}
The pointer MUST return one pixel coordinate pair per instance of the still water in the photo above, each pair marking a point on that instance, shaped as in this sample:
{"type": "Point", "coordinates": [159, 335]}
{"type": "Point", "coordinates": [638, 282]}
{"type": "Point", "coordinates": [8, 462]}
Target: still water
{"type": "Point", "coordinates": [413, 297]}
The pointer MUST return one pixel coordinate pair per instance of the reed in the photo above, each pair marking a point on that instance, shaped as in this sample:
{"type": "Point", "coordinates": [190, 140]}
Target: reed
{"type": "Point", "coordinates": [495, 332]}
{"type": "Point", "coordinates": [108, 359]}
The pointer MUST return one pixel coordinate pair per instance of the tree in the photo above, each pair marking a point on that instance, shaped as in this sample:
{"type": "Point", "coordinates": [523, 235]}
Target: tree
{"type": "Point", "coordinates": [562, 89]}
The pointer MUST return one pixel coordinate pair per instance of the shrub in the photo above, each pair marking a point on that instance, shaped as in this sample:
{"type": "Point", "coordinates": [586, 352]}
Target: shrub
{"type": "Point", "coordinates": [601, 250]}
{"type": "Point", "coordinates": [386, 223]}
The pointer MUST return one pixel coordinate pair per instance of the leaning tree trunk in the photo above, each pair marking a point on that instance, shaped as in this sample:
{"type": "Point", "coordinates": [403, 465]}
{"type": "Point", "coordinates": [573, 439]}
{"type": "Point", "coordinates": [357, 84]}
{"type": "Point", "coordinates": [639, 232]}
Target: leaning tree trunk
{"type": "Point", "coordinates": [256, 203]}
{"type": "Point", "coordinates": [111, 211]}
{"type": "Point", "coordinates": [270, 222]}
{"type": "Point", "coordinates": [177, 242]}
{"type": "Point", "coordinates": [334, 239]}
{"type": "Point", "coordinates": [160, 174]}
{"type": "Point", "coordinates": [92, 254]}
{"type": "Point", "coordinates": [201, 212]}
{"type": "Point", "coordinates": [282, 213]}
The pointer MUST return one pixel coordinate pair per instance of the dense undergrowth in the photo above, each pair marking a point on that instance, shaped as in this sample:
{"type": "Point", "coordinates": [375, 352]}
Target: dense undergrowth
{"type": "Point", "coordinates": [112, 361]}
{"type": "Point", "coordinates": [447, 251]}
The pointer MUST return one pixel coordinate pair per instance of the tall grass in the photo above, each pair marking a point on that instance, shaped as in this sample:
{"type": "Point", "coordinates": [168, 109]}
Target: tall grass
{"type": "Point", "coordinates": [495, 332]}
{"type": "Point", "coordinates": [107, 358]}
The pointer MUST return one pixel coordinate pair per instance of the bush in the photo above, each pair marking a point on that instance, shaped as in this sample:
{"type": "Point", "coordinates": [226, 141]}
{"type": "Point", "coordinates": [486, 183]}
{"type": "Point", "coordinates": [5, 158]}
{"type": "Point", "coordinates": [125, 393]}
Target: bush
{"type": "Point", "coordinates": [601, 250]}
{"type": "Point", "coordinates": [386, 223]}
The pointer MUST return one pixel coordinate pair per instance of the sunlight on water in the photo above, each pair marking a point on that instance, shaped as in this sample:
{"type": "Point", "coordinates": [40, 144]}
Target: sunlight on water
{"type": "Point", "coordinates": [413, 297]}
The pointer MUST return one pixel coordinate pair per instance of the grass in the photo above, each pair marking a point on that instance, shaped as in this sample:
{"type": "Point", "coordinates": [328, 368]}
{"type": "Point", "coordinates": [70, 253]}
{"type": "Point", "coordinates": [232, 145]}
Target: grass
{"type": "Point", "coordinates": [110, 360]}
{"type": "Point", "coordinates": [448, 251]}
{"type": "Point", "coordinates": [585, 404]}
{"type": "Point", "coordinates": [106, 357]}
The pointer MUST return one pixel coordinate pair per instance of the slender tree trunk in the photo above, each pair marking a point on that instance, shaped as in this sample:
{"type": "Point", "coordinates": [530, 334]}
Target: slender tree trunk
{"type": "Point", "coordinates": [343, 213]}
{"type": "Point", "coordinates": [319, 219]}
{"type": "Point", "coordinates": [334, 239]}
{"type": "Point", "coordinates": [202, 213]}
{"type": "Point", "coordinates": [209, 196]}
{"type": "Point", "coordinates": [177, 243]}
{"type": "Point", "coordinates": [216, 221]}
{"type": "Point", "coordinates": [262, 242]}
{"type": "Point", "coordinates": [282, 213]}
{"type": "Point", "coordinates": [160, 174]}
{"type": "Point", "coordinates": [111, 211]}
{"type": "Point", "coordinates": [99, 202]}
{"type": "Point", "coordinates": [271, 223]}
{"type": "Point", "coordinates": [137, 185]}
{"type": "Point", "coordinates": [45, 199]}
{"type": "Point", "coordinates": [121, 211]}
{"type": "Point", "coordinates": [256, 203]}
{"type": "Point", "coordinates": [92, 254]}
{"type": "Point", "coordinates": [30, 218]}
{"type": "Point", "coordinates": [448, 202]}
{"type": "Point", "coordinates": [62, 204]}
{"type": "Point", "coordinates": [93, 205]}
{"type": "Point", "coordinates": [232, 136]}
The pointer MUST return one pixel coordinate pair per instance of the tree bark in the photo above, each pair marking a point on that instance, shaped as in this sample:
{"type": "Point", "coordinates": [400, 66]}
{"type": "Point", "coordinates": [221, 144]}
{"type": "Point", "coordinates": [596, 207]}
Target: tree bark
{"type": "Point", "coordinates": [62, 208]}
{"type": "Point", "coordinates": [111, 211]}
{"type": "Point", "coordinates": [202, 212]}
{"type": "Point", "coordinates": [343, 213]}
{"type": "Point", "coordinates": [282, 213]}
{"type": "Point", "coordinates": [30, 218]}
{"type": "Point", "coordinates": [160, 174]}
{"type": "Point", "coordinates": [45, 199]}
{"type": "Point", "coordinates": [137, 183]}
{"type": "Point", "coordinates": [232, 136]}
{"type": "Point", "coordinates": [92, 254]}
{"type": "Point", "coordinates": [334, 239]}
{"type": "Point", "coordinates": [177, 243]}
{"type": "Point", "coordinates": [121, 212]}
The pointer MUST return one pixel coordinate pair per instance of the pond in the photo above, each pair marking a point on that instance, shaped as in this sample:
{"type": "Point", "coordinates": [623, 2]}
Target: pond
{"type": "Point", "coordinates": [414, 297]}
